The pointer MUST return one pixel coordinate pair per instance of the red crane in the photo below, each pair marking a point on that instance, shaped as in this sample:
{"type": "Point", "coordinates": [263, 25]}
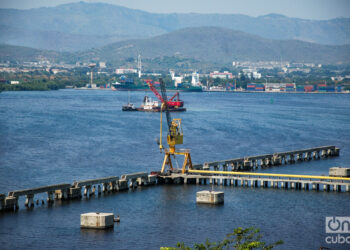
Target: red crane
{"type": "Point", "coordinates": [173, 101]}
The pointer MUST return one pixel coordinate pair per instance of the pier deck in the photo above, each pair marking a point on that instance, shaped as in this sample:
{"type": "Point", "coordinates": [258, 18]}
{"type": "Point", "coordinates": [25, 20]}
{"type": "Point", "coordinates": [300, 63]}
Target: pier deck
{"type": "Point", "coordinates": [199, 174]}
{"type": "Point", "coordinates": [265, 180]}
{"type": "Point", "coordinates": [268, 160]}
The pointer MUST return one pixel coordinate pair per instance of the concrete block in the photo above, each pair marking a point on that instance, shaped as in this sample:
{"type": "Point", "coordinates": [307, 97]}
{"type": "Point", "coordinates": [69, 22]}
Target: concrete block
{"type": "Point", "coordinates": [210, 197]}
{"type": "Point", "coordinates": [97, 220]}
{"type": "Point", "coordinates": [339, 172]}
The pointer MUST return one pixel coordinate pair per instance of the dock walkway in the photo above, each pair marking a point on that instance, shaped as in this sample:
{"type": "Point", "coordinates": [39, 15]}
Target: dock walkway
{"type": "Point", "coordinates": [268, 160]}
{"type": "Point", "coordinates": [208, 173]}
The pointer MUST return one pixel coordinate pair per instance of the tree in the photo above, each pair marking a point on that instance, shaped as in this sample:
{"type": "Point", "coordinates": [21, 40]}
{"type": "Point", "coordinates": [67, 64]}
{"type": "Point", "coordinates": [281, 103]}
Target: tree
{"type": "Point", "coordinates": [240, 239]}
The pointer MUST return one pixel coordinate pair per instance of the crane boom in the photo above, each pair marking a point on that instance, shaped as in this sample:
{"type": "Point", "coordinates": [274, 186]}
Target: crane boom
{"type": "Point", "coordinates": [150, 85]}
{"type": "Point", "coordinates": [171, 102]}
{"type": "Point", "coordinates": [165, 103]}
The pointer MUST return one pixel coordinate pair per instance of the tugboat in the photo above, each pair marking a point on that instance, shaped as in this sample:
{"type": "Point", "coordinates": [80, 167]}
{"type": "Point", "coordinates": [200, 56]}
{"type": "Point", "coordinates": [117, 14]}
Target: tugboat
{"type": "Point", "coordinates": [174, 103]}
{"type": "Point", "coordinates": [149, 105]}
{"type": "Point", "coordinates": [130, 106]}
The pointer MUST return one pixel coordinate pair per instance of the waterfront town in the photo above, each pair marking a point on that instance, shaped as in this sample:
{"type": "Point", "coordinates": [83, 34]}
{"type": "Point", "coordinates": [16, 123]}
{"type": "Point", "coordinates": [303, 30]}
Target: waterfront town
{"type": "Point", "coordinates": [260, 76]}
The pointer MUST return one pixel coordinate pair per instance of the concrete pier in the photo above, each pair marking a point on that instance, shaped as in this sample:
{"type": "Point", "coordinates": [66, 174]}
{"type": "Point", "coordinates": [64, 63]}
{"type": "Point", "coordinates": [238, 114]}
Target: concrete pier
{"type": "Point", "coordinates": [135, 179]}
{"type": "Point", "coordinates": [265, 180]}
{"type": "Point", "coordinates": [268, 160]}
{"type": "Point", "coordinates": [337, 182]}
{"type": "Point", "coordinates": [74, 190]}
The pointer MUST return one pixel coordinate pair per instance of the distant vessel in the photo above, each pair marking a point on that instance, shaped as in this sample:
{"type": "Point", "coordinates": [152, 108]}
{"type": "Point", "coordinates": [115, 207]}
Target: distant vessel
{"type": "Point", "coordinates": [149, 105]}
{"type": "Point", "coordinates": [130, 106]}
{"type": "Point", "coordinates": [217, 89]}
{"type": "Point", "coordinates": [133, 87]}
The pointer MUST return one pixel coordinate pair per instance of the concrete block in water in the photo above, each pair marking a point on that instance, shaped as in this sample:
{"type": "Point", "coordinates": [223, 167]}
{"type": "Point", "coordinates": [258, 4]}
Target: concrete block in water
{"type": "Point", "coordinates": [210, 197]}
{"type": "Point", "coordinates": [97, 220]}
{"type": "Point", "coordinates": [339, 172]}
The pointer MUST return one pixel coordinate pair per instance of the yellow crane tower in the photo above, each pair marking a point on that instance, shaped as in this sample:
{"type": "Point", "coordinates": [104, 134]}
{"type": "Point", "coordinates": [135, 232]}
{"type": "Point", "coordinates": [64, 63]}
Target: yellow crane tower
{"type": "Point", "coordinates": [174, 136]}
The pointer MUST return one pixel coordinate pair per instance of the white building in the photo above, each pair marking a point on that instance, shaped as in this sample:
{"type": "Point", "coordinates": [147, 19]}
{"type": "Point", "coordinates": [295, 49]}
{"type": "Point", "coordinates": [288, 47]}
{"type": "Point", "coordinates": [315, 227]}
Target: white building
{"type": "Point", "coordinates": [14, 82]}
{"type": "Point", "coordinates": [123, 71]}
{"type": "Point", "coordinates": [222, 75]}
{"type": "Point", "coordinates": [177, 79]}
{"type": "Point", "coordinates": [256, 75]}
{"type": "Point", "coordinates": [195, 79]}
{"type": "Point", "coordinates": [102, 65]}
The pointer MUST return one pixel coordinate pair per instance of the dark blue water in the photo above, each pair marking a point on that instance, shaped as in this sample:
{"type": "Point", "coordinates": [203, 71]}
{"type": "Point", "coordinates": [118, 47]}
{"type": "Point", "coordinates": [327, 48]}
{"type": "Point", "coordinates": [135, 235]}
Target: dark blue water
{"type": "Point", "coordinates": [62, 136]}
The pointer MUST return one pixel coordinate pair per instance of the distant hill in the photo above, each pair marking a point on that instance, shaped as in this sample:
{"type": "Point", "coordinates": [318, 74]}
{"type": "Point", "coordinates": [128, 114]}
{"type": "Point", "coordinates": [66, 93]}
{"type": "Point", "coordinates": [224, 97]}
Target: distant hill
{"type": "Point", "coordinates": [191, 48]}
{"type": "Point", "coordinates": [24, 54]}
{"type": "Point", "coordinates": [80, 26]}
{"type": "Point", "coordinates": [219, 45]}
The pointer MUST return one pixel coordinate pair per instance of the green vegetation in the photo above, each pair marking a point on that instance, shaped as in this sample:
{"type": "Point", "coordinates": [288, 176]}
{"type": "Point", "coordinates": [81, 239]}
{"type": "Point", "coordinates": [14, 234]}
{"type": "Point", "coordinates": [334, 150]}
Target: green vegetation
{"type": "Point", "coordinates": [240, 239]}
{"type": "Point", "coordinates": [41, 80]}
{"type": "Point", "coordinates": [51, 85]}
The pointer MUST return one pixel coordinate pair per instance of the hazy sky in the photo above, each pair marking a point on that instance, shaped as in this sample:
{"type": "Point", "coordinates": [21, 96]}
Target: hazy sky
{"type": "Point", "coordinates": [308, 9]}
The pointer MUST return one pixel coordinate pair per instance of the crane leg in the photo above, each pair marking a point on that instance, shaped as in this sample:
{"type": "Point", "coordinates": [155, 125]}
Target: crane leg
{"type": "Point", "coordinates": [167, 161]}
{"type": "Point", "coordinates": [187, 162]}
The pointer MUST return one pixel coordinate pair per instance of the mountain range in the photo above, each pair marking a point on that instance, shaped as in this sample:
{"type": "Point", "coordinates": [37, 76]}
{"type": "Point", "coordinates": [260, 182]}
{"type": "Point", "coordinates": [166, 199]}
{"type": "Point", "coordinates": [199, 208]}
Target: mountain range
{"type": "Point", "coordinates": [192, 48]}
{"type": "Point", "coordinates": [82, 26]}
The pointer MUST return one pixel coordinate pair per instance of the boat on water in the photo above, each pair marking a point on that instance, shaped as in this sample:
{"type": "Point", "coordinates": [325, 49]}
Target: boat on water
{"type": "Point", "coordinates": [174, 104]}
{"type": "Point", "coordinates": [133, 87]}
{"type": "Point", "coordinates": [149, 105]}
{"type": "Point", "coordinates": [130, 106]}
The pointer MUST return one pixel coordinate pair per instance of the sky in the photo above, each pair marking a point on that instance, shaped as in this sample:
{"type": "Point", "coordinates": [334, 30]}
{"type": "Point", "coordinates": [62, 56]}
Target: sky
{"type": "Point", "coordinates": [306, 9]}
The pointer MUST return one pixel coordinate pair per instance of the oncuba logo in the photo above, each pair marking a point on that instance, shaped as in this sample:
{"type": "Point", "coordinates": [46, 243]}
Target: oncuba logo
{"type": "Point", "coordinates": [336, 224]}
